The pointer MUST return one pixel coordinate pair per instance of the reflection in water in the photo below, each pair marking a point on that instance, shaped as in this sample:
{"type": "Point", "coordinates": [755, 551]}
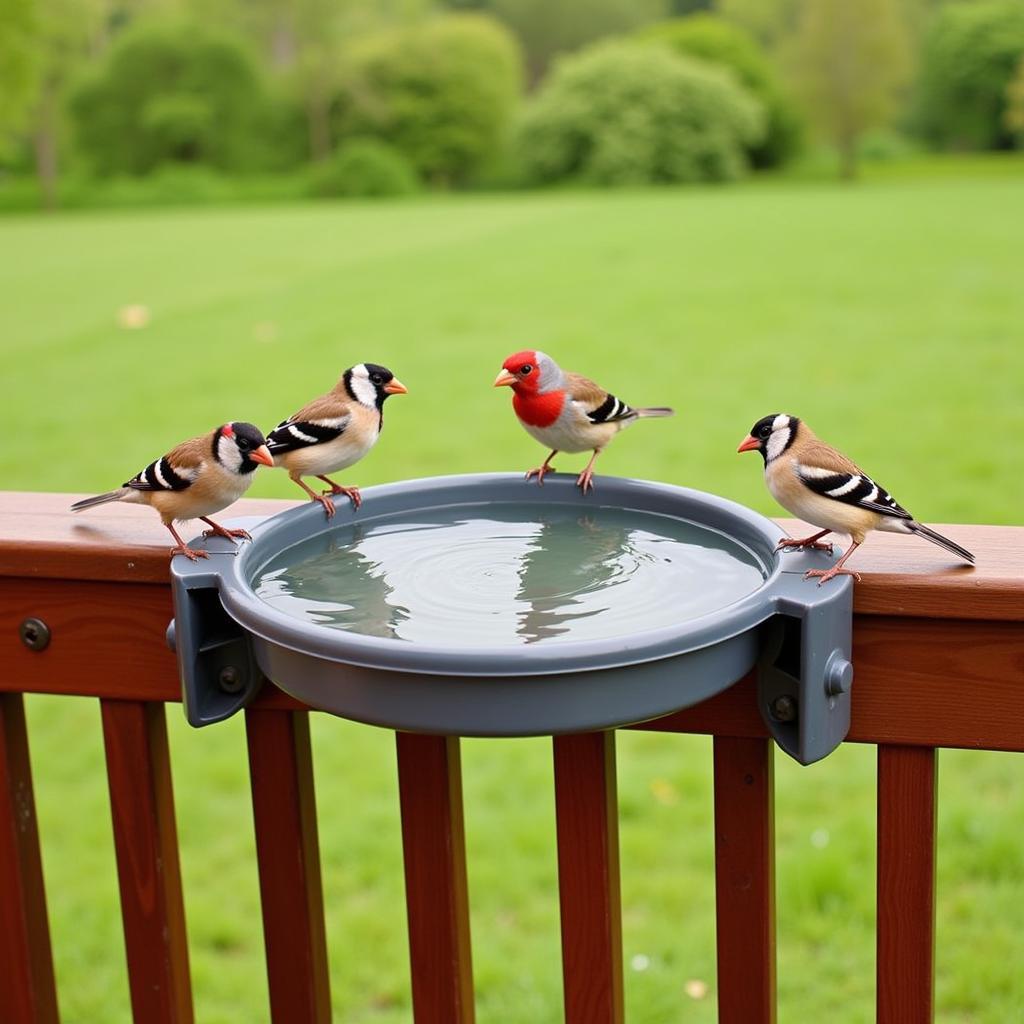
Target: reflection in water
{"type": "Point", "coordinates": [483, 576]}
{"type": "Point", "coordinates": [554, 591]}
{"type": "Point", "coordinates": [335, 566]}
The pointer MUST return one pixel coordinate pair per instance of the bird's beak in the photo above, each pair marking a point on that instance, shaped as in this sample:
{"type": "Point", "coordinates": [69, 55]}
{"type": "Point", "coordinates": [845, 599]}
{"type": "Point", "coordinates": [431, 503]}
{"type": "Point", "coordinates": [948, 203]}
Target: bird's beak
{"type": "Point", "coordinates": [262, 454]}
{"type": "Point", "coordinates": [504, 379]}
{"type": "Point", "coordinates": [395, 387]}
{"type": "Point", "coordinates": [748, 444]}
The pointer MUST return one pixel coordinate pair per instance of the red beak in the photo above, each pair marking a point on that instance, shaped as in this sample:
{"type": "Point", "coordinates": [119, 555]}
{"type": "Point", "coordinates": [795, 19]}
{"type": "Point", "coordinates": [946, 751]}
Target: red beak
{"type": "Point", "coordinates": [395, 387]}
{"type": "Point", "coordinates": [749, 444]}
{"type": "Point", "coordinates": [262, 454]}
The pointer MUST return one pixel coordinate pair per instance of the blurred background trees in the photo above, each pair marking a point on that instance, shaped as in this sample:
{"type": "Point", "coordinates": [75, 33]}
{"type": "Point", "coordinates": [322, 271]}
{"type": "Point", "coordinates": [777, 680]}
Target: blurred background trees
{"type": "Point", "coordinates": [263, 97]}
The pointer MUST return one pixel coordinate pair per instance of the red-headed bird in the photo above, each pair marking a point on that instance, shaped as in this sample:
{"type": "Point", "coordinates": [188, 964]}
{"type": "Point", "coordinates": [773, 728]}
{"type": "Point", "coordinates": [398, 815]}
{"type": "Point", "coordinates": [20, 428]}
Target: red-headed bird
{"type": "Point", "coordinates": [564, 411]}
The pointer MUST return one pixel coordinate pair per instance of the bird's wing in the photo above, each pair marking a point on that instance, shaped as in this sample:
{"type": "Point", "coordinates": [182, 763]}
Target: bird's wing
{"type": "Point", "coordinates": [600, 406]}
{"type": "Point", "coordinates": [324, 419]}
{"type": "Point", "coordinates": [832, 475]}
{"type": "Point", "coordinates": [176, 471]}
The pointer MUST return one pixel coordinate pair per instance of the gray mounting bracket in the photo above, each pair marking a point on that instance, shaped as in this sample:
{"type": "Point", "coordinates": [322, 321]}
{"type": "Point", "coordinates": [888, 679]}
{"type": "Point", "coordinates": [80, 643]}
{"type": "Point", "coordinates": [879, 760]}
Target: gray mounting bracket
{"type": "Point", "coordinates": [804, 672]}
{"type": "Point", "coordinates": [216, 667]}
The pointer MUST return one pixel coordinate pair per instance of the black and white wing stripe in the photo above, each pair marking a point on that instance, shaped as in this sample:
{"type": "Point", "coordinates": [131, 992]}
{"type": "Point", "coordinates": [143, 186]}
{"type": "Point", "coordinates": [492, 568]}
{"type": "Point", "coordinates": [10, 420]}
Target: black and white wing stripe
{"type": "Point", "coordinates": [290, 435]}
{"type": "Point", "coordinates": [162, 476]}
{"type": "Point", "coordinates": [853, 489]}
{"type": "Point", "coordinates": [610, 409]}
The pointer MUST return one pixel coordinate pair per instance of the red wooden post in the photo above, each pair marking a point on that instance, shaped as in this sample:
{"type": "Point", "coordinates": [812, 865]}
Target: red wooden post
{"type": "Point", "coordinates": [588, 877]}
{"type": "Point", "coordinates": [28, 994]}
{"type": "Point", "coordinates": [436, 892]}
{"type": "Point", "coordinates": [288, 852]}
{"type": "Point", "coordinates": [146, 842]}
{"type": "Point", "coordinates": [906, 884]}
{"type": "Point", "coordinates": [745, 879]}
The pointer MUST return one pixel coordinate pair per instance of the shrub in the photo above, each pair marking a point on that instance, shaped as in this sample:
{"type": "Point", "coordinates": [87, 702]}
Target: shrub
{"type": "Point", "coordinates": [364, 168]}
{"type": "Point", "coordinates": [444, 92]}
{"type": "Point", "coordinates": [969, 58]}
{"type": "Point", "coordinates": [620, 114]}
{"type": "Point", "coordinates": [170, 93]}
{"type": "Point", "coordinates": [712, 39]}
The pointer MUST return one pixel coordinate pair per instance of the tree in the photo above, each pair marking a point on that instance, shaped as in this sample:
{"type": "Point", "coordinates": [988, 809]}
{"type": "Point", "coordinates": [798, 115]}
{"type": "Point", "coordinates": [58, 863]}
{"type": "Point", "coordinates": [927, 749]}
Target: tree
{"type": "Point", "coordinates": [622, 114]}
{"type": "Point", "coordinates": [768, 21]}
{"type": "Point", "coordinates": [849, 61]}
{"type": "Point", "coordinates": [17, 63]}
{"type": "Point", "coordinates": [547, 28]}
{"type": "Point", "coordinates": [170, 92]}
{"type": "Point", "coordinates": [969, 58]}
{"type": "Point", "coordinates": [40, 52]}
{"type": "Point", "coordinates": [1015, 103]}
{"type": "Point", "coordinates": [443, 92]}
{"type": "Point", "coordinates": [718, 41]}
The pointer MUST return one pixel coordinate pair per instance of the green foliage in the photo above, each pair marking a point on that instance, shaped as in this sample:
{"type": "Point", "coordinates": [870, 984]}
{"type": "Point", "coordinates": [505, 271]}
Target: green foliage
{"type": "Point", "coordinates": [444, 92]}
{"type": "Point", "coordinates": [622, 114]}
{"type": "Point", "coordinates": [18, 63]}
{"type": "Point", "coordinates": [171, 93]}
{"type": "Point", "coordinates": [970, 55]}
{"type": "Point", "coordinates": [548, 28]}
{"type": "Point", "coordinates": [364, 168]}
{"type": "Point", "coordinates": [713, 39]}
{"type": "Point", "coordinates": [1015, 103]}
{"type": "Point", "coordinates": [850, 62]}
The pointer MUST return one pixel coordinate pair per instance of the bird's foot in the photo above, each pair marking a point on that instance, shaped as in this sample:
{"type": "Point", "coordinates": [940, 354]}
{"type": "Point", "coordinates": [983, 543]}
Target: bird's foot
{"type": "Point", "coordinates": [223, 531]}
{"type": "Point", "coordinates": [352, 493]}
{"type": "Point", "coordinates": [824, 575]}
{"type": "Point", "coordinates": [540, 472]}
{"type": "Point", "coordinates": [328, 505]}
{"type": "Point", "coordinates": [807, 544]}
{"type": "Point", "coordinates": [585, 481]}
{"type": "Point", "coordinates": [192, 554]}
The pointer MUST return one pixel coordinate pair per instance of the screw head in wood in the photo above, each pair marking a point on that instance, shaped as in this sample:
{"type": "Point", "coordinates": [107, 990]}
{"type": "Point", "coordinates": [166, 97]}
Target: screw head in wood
{"type": "Point", "coordinates": [35, 634]}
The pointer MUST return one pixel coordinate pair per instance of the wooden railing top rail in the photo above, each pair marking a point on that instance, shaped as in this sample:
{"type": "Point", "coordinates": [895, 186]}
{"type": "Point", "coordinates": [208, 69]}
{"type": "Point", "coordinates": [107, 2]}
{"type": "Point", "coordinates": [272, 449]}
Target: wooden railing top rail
{"type": "Point", "coordinates": [902, 576]}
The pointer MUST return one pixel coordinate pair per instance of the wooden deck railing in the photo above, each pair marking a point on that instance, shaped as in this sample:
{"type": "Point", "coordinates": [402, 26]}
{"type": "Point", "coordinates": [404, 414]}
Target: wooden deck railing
{"type": "Point", "coordinates": [939, 656]}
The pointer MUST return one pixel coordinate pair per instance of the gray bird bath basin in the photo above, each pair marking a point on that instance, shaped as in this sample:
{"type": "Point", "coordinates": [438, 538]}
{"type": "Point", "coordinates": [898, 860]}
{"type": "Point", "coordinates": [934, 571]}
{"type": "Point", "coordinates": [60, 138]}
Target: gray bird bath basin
{"type": "Point", "coordinates": [488, 606]}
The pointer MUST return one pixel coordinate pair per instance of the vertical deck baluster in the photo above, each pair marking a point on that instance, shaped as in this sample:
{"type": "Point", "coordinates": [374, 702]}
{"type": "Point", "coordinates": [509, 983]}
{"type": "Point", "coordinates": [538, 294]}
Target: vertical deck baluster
{"type": "Point", "coordinates": [28, 994]}
{"type": "Point", "coordinates": [436, 894]}
{"type": "Point", "coordinates": [906, 884]}
{"type": "Point", "coordinates": [745, 879]}
{"type": "Point", "coordinates": [146, 843]}
{"type": "Point", "coordinates": [588, 877]}
{"type": "Point", "coordinates": [288, 853]}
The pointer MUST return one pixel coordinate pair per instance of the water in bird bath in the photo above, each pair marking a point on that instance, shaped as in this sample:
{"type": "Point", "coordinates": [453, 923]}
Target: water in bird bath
{"type": "Point", "coordinates": [506, 574]}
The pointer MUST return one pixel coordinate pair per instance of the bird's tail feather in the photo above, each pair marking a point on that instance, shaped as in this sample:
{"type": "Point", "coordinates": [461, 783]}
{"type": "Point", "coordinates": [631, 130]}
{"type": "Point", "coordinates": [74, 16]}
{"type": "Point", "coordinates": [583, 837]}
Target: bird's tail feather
{"type": "Point", "coordinates": [99, 499]}
{"type": "Point", "coordinates": [944, 542]}
{"type": "Point", "coordinates": [654, 411]}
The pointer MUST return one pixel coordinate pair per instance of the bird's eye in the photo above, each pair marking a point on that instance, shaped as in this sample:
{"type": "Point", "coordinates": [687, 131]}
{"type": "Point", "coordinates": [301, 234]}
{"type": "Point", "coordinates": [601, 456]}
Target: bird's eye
{"type": "Point", "coordinates": [526, 369]}
{"type": "Point", "coordinates": [243, 444]}
{"type": "Point", "coordinates": [765, 431]}
{"type": "Point", "coordinates": [377, 378]}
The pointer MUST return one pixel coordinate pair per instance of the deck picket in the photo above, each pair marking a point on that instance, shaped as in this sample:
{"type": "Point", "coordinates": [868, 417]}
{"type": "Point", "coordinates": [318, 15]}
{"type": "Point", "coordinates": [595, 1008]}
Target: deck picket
{"type": "Point", "coordinates": [146, 845]}
{"type": "Point", "coordinates": [905, 959]}
{"type": "Point", "coordinates": [745, 879]}
{"type": "Point", "coordinates": [587, 820]}
{"type": "Point", "coordinates": [28, 993]}
{"type": "Point", "coordinates": [288, 857]}
{"type": "Point", "coordinates": [436, 895]}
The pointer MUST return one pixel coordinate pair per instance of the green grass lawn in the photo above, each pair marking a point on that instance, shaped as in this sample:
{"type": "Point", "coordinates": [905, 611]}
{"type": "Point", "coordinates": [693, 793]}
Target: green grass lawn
{"type": "Point", "coordinates": [888, 315]}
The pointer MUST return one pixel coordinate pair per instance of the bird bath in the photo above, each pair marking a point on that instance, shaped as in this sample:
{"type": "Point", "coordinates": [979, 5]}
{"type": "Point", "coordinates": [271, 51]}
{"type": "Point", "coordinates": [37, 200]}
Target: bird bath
{"type": "Point", "coordinates": [487, 606]}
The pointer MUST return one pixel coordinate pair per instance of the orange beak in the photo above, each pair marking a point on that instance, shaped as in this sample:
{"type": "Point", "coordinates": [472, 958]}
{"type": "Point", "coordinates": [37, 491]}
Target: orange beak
{"type": "Point", "coordinates": [262, 454]}
{"type": "Point", "coordinates": [504, 379]}
{"type": "Point", "coordinates": [395, 387]}
{"type": "Point", "coordinates": [749, 444]}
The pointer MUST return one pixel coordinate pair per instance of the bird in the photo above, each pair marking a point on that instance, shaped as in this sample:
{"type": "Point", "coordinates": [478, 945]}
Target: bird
{"type": "Point", "coordinates": [197, 478]}
{"type": "Point", "coordinates": [822, 486]}
{"type": "Point", "coordinates": [564, 411]}
{"type": "Point", "coordinates": [335, 431]}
